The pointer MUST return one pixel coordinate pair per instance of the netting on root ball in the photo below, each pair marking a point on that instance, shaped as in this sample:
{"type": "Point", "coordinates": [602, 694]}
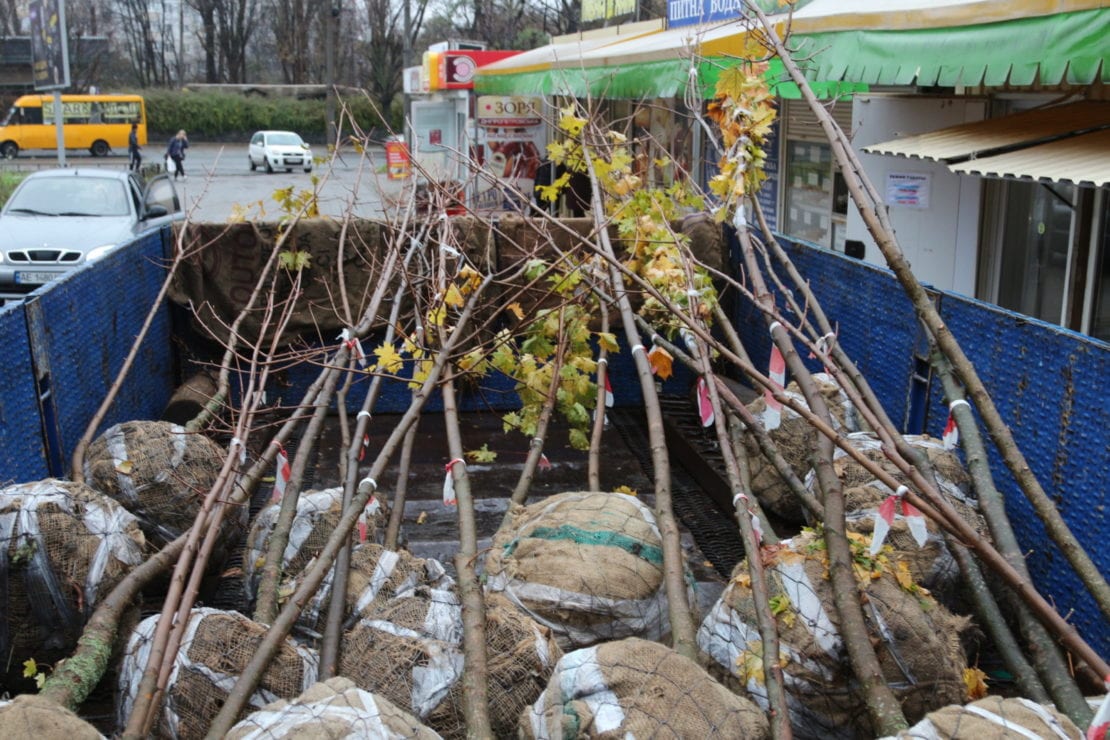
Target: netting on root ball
{"type": "Point", "coordinates": [916, 639]}
{"type": "Point", "coordinates": [335, 708]}
{"type": "Point", "coordinates": [376, 575]}
{"type": "Point", "coordinates": [216, 648]}
{"type": "Point", "coordinates": [318, 512]}
{"type": "Point", "coordinates": [636, 688]}
{"type": "Point", "coordinates": [932, 565]}
{"type": "Point", "coordinates": [409, 650]}
{"type": "Point", "coordinates": [995, 718]}
{"type": "Point", "coordinates": [796, 439]}
{"type": "Point", "coordinates": [31, 716]}
{"type": "Point", "coordinates": [63, 548]}
{"type": "Point", "coordinates": [160, 473]}
{"type": "Point", "coordinates": [587, 565]}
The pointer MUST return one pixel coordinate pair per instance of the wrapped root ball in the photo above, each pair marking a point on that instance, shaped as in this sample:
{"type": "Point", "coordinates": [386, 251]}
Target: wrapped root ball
{"type": "Point", "coordinates": [409, 650]}
{"type": "Point", "coordinates": [216, 648]}
{"type": "Point", "coordinates": [160, 473]}
{"type": "Point", "coordinates": [587, 565]}
{"type": "Point", "coordinates": [317, 514]}
{"type": "Point", "coordinates": [995, 717]}
{"type": "Point", "coordinates": [635, 688]}
{"type": "Point", "coordinates": [31, 716]}
{"type": "Point", "coordinates": [335, 708]}
{"type": "Point", "coordinates": [916, 639]}
{"type": "Point", "coordinates": [795, 439]}
{"type": "Point", "coordinates": [63, 548]}
{"type": "Point", "coordinates": [376, 575]}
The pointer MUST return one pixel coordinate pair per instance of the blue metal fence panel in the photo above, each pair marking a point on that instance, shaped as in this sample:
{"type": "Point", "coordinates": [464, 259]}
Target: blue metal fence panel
{"type": "Point", "coordinates": [1049, 384]}
{"type": "Point", "coordinates": [22, 457]}
{"type": "Point", "coordinates": [89, 320]}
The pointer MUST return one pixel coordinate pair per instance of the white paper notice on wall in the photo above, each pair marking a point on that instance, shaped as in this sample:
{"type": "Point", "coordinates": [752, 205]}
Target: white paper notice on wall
{"type": "Point", "coordinates": [909, 189]}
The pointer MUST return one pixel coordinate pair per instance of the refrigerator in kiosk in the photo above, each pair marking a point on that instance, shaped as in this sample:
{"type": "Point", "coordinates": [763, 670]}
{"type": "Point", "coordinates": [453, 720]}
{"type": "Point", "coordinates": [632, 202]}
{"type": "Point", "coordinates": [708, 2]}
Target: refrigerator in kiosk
{"type": "Point", "coordinates": [478, 148]}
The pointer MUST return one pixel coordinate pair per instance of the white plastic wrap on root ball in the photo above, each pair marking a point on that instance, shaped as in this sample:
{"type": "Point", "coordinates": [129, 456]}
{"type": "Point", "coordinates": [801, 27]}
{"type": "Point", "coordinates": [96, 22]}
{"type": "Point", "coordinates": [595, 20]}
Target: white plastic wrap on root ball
{"type": "Point", "coordinates": [215, 649]}
{"type": "Point", "coordinates": [160, 473]}
{"type": "Point", "coordinates": [634, 688]}
{"type": "Point", "coordinates": [63, 548]}
{"type": "Point", "coordinates": [994, 717]}
{"type": "Point", "coordinates": [587, 565]}
{"type": "Point", "coordinates": [376, 575]}
{"type": "Point", "coordinates": [409, 650]}
{"type": "Point", "coordinates": [335, 708]}
{"type": "Point", "coordinates": [917, 640]}
{"type": "Point", "coordinates": [318, 512]}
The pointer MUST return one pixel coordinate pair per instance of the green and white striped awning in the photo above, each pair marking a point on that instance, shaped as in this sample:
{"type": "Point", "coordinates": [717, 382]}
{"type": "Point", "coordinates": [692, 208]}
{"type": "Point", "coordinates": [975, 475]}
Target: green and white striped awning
{"type": "Point", "coordinates": [844, 45]}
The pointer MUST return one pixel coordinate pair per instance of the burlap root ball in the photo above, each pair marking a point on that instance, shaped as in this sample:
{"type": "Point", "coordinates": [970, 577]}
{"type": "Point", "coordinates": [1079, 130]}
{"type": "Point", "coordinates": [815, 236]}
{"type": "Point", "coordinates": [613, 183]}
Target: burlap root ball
{"type": "Point", "coordinates": [640, 689]}
{"type": "Point", "coordinates": [932, 566]}
{"type": "Point", "coordinates": [376, 575]}
{"type": "Point", "coordinates": [161, 474]}
{"type": "Point", "coordinates": [63, 548]}
{"type": "Point", "coordinates": [587, 565]}
{"type": "Point", "coordinates": [31, 716]}
{"type": "Point", "coordinates": [409, 650]}
{"type": "Point", "coordinates": [796, 440]}
{"type": "Point", "coordinates": [216, 648]}
{"type": "Point", "coordinates": [335, 708]}
{"type": "Point", "coordinates": [916, 640]}
{"type": "Point", "coordinates": [318, 512]}
{"type": "Point", "coordinates": [994, 718]}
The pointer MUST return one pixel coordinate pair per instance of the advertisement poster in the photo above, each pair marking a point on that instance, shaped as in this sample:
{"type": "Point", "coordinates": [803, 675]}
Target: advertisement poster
{"type": "Point", "coordinates": [909, 189]}
{"type": "Point", "coordinates": [49, 54]}
{"type": "Point", "coordinates": [513, 136]}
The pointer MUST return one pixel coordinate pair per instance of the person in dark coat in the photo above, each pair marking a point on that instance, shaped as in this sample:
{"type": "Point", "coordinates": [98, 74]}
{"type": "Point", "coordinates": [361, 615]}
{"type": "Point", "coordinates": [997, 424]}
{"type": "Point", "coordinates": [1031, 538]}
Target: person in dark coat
{"type": "Point", "coordinates": [176, 152]}
{"type": "Point", "coordinates": [133, 150]}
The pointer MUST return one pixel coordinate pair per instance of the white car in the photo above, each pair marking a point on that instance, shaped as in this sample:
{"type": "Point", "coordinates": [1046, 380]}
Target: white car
{"type": "Point", "coordinates": [279, 150]}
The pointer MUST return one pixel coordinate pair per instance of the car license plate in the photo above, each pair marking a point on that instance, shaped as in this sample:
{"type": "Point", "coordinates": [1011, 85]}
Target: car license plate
{"type": "Point", "coordinates": [34, 278]}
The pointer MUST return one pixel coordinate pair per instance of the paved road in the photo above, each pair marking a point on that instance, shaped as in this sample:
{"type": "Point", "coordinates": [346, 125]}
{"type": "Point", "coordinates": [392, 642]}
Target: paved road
{"type": "Point", "coordinates": [219, 180]}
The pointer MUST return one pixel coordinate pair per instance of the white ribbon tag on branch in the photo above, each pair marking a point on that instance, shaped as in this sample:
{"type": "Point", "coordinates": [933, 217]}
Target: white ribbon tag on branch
{"type": "Point", "coordinates": [884, 517]}
{"type": "Point", "coordinates": [608, 392]}
{"type": "Point", "coordinates": [705, 405]}
{"type": "Point", "coordinates": [776, 371]}
{"type": "Point", "coordinates": [915, 520]}
{"type": "Point", "coordinates": [1100, 725]}
{"type": "Point", "coordinates": [281, 476]}
{"type": "Point", "coordinates": [449, 483]}
{"type": "Point", "coordinates": [544, 463]}
{"type": "Point", "coordinates": [372, 508]}
{"type": "Point", "coordinates": [363, 446]}
{"type": "Point", "coordinates": [951, 433]}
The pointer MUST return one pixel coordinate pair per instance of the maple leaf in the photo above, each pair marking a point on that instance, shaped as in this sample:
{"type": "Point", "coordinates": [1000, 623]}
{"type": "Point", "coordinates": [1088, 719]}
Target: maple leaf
{"type": "Point", "coordinates": [749, 664]}
{"type": "Point", "coordinates": [454, 296]}
{"type": "Point", "coordinates": [516, 310]}
{"type": "Point", "coordinates": [975, 681]}
{"type": "Point", "coordinates": [625, 490]}
{"type": "Point", "coordinates": [294, 260]}
{"type": "Point", "coordinates": [481, 455]}
{"type": "Point", "coordinates": [389, 360]}
{"type": "Point", "coordinates": [661, 362]}
{"type": "Point", "coordinates": [608, 341]}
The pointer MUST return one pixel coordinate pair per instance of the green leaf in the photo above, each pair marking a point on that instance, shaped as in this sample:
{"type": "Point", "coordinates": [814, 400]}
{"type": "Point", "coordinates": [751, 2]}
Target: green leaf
{"type": "Point", "coordinates": [30, 668]}
{"type": "Point", "coordinates": [294, 261]}
{"type": "Point", "coordinates": [608, 341]}
{"type": "Point", "coordinates": [482, 455]}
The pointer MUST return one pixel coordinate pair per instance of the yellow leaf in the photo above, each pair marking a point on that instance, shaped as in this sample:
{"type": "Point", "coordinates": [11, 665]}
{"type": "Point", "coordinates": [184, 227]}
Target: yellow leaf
{"type": "Point", "coordinates": [30, 668]}
{"type": "Point", "coordinates": [608, 341]}
{"type": "Point", "coordinates": [661, 362]}
{"type": "Point", "coordinates": [516, 310]}
{"type": "Point", "coordinates": [422, 518]}
{"type": "Point", "coordinates": [625, 490]}
{"type": "Point", "coordinates": [903, 576]}
{"type": "Point", "coordinates": [453, 297]}
{"type": "Point", "coordinates": [749, 663]}
{"type": "Point", "coordinates": [482, 455]}
{"type": "Point", "coordinates": [124, 467]}
{"type": "Point", "coordinates": [976, 683]}
{"type": "Point", "coordinates": [436, 315]}
{"type": "Point", "coordinates": [389, 360]}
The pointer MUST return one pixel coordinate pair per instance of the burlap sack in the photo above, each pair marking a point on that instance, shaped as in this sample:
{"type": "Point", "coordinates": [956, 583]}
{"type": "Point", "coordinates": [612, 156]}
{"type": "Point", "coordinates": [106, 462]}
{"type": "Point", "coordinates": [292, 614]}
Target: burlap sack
{"type": "Point", "coordinates": [587, 565]}
{"type": "Point", "coordinates": [994, 718]}
{"type": "Point", "coordinates": [317, 514]}
{"type": "Point", "coordinates": [335, 708]}
{"type": "Point", "coordinates": [159, 473]}
{"type": "Point", "coordinates": [31, 716]}
{"type": "Point", "coordinates": [63, 548]}
{"type": "Point", "coordinates": [796, 440]}
{"type": "Point", "coordinates": [376, 575]}
{"type": "Point", "coordinates": [933, 566]}
{"type": "Point", "coordinates": [638, 689]}
{"type": "Point", "coordinates": [916, 640]}
{"type": "Point", "coordinates": [409, 649]}
{"type": "Point", "coordinates": [215, 649]}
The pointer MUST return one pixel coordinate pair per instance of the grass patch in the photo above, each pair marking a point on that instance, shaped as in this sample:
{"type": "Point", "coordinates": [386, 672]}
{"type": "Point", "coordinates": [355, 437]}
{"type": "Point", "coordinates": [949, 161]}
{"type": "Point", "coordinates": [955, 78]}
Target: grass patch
{"type": "Point", "coordinates": [8, 182]}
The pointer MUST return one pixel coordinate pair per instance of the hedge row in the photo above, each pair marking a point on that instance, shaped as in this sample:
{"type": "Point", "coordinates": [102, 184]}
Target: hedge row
{"type": "Point", "coordinates": [221, 116]}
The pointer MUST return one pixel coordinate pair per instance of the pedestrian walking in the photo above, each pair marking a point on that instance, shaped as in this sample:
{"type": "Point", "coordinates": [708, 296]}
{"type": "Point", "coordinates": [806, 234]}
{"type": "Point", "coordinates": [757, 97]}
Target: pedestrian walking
{"type": "Point", "coordinates": [133, 150]}
{"type": "Point", "coordinates": [176, 153]}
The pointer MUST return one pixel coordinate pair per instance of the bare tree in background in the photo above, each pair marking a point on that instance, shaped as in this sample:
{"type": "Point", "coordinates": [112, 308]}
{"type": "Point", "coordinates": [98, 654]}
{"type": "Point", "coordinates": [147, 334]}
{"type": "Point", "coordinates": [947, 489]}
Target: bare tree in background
{"type": "Point", "coordinates": [293, 22]}
{"type": "Point", "coordinates": [383, 49]}
{"type": "Point", "coordinates": [145, 39]}
{"type": "Point", "coordinates": [9, 19]}
{"type": "Point", "coordinates": [236, 21]}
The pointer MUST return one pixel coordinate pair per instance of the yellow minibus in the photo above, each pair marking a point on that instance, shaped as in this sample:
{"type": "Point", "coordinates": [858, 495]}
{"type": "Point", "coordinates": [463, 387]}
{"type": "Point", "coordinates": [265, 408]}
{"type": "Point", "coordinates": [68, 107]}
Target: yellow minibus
{"type": "Point", "coordinates": [98, 123]}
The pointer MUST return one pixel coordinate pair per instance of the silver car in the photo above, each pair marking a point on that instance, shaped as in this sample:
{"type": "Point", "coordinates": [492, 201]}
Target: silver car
{"type": "Point", "coordinates": [279, 150]}
{"type": "Point", "coordinates": [59, 219]}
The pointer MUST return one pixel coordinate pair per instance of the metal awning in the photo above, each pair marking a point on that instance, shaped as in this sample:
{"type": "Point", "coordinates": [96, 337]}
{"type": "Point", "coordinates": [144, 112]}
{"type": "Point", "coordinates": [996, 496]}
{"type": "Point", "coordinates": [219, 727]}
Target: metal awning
{"type": "Point", "coordinates": [1062, 143]}
{"type": "Point", "coordinates": [1083, 160]}
{"type": "Point", "coordinates": [994, 134]}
